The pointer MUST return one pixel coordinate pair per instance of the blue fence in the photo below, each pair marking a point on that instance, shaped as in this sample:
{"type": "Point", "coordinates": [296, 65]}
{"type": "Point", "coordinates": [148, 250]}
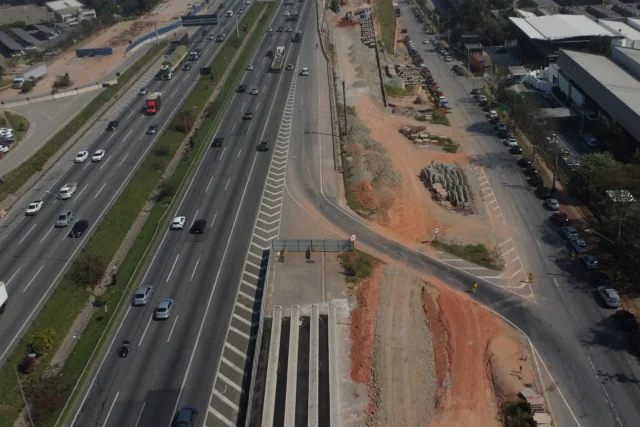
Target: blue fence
{"type": "Point", "coordinates": [163, 30]}
{"type": "Point", "coordinates": [96, 51]}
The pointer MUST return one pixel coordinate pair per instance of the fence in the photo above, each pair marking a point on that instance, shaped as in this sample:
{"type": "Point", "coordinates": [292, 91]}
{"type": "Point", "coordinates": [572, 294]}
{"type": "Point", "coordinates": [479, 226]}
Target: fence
{"type": "Point", "coordinates": [164, 30]}
{"type": "Point", "coordinates": [313, 245]}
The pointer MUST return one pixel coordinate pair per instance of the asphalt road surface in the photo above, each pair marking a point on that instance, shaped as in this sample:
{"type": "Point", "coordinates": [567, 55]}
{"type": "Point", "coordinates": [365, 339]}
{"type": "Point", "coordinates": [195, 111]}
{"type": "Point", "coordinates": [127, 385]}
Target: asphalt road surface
{"type": "Point", "coordinates": [173, 362]}
{"type": "Point", "coordinates": [34, 254]}
{"type": "Point", "coordinates": [583, 348]}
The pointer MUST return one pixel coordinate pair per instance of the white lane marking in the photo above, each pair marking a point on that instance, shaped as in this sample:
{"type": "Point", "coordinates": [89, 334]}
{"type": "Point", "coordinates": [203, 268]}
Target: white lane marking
{"type": "Point", "coordinates": [33, 278]}
{"type": "Point", "coordinates": [86, 166]}
{"type": "Point", "coordinates": [109, 139]}
{"type": "Point", "coordinates": [125, 158]}
{"type": "Point", "coordinates": [257, 106]}
{"type": "Point", "coordinates": [172, 267]}
{"type": "Point", "coordinates": [242, 108]}
{"type": "Point", "coordinates": [227, 186]}
{"type": "Point", "coordinates": [214, 218]}
{"type": "Point", "coordinates": [140, 415]}
{"type": "Point", "coordinates": [209, 184]}
{"type": "Point", "coordinates": [194, 218]}
{"type": "Point", "coordinates": [45, 236]}
{"type": "Point", "coordinates": [99, 191]}
{"type": "Point", "coordinates": [30, 230]}
{"type": "Point", "coordinates": [234, 127]}
{"type": "Point", "coordinates": [127, 118]}
{"type": "Point", "coordinates": [194, 269]}
{"type": "Point", "coordinates": [61, 176]}
{"type": "Point", "coordinates": [173, 326]}
{"type": "Point", "coordinates": [105, 162]}
{"type": "Point", "coordinates": [239, 152]}
{"type": "Point", "coordinates": [127, 136]}
{"type": "Point", "coordinates": [81, 191]}
{"type": "Point", "coordinates": [11, 278]}
{"type": "Point", "coordinates": [110, 409]}
{"type": "Point", "coordinates": [145, 330]}
{"type": "Point", "coordinates": [223, 150]}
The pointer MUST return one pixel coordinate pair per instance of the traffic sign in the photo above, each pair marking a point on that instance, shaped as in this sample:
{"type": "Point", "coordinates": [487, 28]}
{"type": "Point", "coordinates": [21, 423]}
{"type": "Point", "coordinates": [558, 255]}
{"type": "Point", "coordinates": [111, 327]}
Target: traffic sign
{"type": "Point", "coordinates": [352, 238]}
{"type": "Point", "coordinates": [436, 230]}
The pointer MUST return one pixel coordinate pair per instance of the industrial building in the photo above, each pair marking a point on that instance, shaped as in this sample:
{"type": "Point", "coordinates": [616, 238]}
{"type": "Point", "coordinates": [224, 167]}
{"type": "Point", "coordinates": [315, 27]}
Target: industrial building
{"type": "Point", "coordinates": [70, 12]}
{"type": "Point", "coordinates": [24, 38]}
{"type": "Point", "coordinates": [9, 46]}
{"type": "Point", "coordinates": [30, 14]}
{"type": "Point", "coordinates": [597, 85]}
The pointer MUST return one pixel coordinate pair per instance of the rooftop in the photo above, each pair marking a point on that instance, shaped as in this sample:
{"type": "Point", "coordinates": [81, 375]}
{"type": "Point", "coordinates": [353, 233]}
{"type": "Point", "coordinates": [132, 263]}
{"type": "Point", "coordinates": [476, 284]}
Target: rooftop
{"type": "Point", "coordinates": [620, 28]}
{"type": "Point", "coordinates": [24, 36]}
{"type": "Point", "coordinates": [559, 27]}
{"type": "Point", "coordinates": [615, 79]}
{"type": "Point", "coordinates": [10, 43]}
{"type": "Point", "coordinates": [64, 5]}
{"type": "Point", "coordinates": [28, 14]}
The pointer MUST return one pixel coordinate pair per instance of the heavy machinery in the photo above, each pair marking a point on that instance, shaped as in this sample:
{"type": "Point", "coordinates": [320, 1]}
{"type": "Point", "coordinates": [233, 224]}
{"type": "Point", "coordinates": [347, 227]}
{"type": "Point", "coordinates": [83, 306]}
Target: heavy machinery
{"type": "Point", "coordinates": [347, 20]}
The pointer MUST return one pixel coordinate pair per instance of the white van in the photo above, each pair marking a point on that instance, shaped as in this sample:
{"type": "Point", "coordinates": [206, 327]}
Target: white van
{"type": "Point", "coordinates": [67, 190]}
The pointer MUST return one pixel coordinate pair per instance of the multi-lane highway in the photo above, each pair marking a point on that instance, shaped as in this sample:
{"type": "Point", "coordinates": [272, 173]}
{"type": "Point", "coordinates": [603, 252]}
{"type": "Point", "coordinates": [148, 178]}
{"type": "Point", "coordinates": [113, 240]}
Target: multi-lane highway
{"type": "Point", "coordinates": [596, 379]}
{"type": "Point", "coordinates": [172, 363]}
{"type": "Point", "coordinates": [34, 254]}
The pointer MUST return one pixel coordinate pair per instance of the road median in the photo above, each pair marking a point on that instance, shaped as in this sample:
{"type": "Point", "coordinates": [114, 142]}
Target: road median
{"type": "Point", "coordinates": [143, 193]}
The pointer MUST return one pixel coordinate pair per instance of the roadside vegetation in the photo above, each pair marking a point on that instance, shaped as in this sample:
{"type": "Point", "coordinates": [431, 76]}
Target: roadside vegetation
{"type": "Point", "coordinates": [439, 118]}
{"type": "Point", "coordinates": [20, 175]}
{"type": "Point", "coordinates": [387, 19]}
{"type": "Point", "coordinates": [357, 265]}
{"type": "Point", "coordinates": [398, 91]}
{"type": "Point", "coordinates": [47, 394]}
{"type": "Point", "coordinates": [477, 254]}
{"type": "Point", "coordinates": [518, 413]}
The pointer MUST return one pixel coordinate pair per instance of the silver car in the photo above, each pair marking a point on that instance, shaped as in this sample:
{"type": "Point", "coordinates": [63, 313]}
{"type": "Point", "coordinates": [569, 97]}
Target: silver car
{"type": "Point", "coordinates": [609, 296]}
{"type": "Point", "coordinates": [164, 309]}
{"type": "Point", "coordinates": [552, 204]}
{"type": "Point", "coordinates": [143, 295]}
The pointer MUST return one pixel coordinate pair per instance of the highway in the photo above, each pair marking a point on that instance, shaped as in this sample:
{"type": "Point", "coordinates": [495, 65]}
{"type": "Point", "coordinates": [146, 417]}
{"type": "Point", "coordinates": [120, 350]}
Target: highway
{"type": "Point", "coordinates": [584, 350]}
{"type": "Point", "coordinates": [173, 362]}
{"type": "Point", "coordinates": [34, 254]}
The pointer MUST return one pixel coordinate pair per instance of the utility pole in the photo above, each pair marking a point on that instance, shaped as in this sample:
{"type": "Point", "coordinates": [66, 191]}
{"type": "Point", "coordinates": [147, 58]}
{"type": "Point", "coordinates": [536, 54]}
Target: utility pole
{"type": "Point", "coordinates": [555, 161]}
{"type": "Point", "coordinates": [344, 107]}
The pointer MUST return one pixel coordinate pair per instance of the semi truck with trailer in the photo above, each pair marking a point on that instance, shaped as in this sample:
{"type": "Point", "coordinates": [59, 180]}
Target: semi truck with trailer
{"type": "Point", "coordinates": [153, 103]}
{"type": "Point", "coordinates": [172, 61]}
{"type": "Point", "coordinates": [278, 60]}
{"type": "Point", "coordinates": [34, 73]}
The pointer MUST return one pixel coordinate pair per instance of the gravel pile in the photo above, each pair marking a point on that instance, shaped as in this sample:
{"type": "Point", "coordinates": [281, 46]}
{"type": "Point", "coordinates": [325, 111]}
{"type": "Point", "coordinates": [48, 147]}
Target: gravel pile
{"type": "Point", "coordinates": [404, 381]}
{"type": "Point", "coordinates": [367, 34]}
{"type": "Point", "coordinates": [447, 177]}
{"type": "Point", "coordinates": [411, 75]}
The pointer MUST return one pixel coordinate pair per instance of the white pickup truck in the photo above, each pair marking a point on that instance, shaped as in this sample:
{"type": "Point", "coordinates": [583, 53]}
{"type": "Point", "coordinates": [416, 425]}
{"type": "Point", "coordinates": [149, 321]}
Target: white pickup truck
{"type": "Point", "coordinates": [67, 190]}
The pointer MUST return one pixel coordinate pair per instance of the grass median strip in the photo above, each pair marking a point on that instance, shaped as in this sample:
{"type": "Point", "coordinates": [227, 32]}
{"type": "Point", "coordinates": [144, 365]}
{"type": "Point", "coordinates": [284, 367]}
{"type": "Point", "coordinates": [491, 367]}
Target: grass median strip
{"type": "Point", "coordinates": [67, 301]}
{"type": "Point", "coordinates": [20, 175]}
{"type": "Point", "coordinates": [477, 254]}
{"type": "Point", "coordinates": [387, 19]}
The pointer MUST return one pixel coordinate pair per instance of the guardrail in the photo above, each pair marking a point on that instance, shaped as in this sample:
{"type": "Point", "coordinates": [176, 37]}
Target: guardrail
{"type": "Point", "coordinates": [312, 245]}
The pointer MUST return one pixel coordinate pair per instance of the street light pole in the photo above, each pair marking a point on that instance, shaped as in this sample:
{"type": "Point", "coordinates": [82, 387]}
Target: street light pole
{"type": "Point", "coordinates": [555, 161]}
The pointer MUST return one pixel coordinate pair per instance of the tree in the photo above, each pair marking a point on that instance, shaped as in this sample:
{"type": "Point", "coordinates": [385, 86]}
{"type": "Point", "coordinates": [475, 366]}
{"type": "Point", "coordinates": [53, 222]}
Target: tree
{"type": "Point", "coordinates": [87, 270]}
{"type": "Point", "coordinates": [45, 398]}
{"type": "Point", "coordinates": [28, 86]}
{"type": "Point", "coordinates": [518, 414]}
{"type": "Point", "coordinates": [618, 185]}
{"type": "Point", "coordinates": [335, 5]}
{"type": "Point", "coordinates": [62, 81]}
{"type": "Point", "coordinates": [42, 342]}
{"type": "Point", "coordinates": [600, 46]}
{"type": "Point", "coordinates": [166, 190]}
{"type": "Point", "coordinates": [184, 121]}
{"type": "Point", "coordinates": [582, 180]}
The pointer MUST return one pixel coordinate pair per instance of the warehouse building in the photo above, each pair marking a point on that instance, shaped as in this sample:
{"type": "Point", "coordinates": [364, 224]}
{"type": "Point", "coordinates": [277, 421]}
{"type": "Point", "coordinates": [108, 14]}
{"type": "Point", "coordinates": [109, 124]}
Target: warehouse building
{"type": "Point", "coordinates": [30, 14]}
{"type": "Point", "coordinates": [24, 38]}
{"type": "Point", "coordinates": [70, 12]}
{"type": "Point", "coordinates": [9, 46]}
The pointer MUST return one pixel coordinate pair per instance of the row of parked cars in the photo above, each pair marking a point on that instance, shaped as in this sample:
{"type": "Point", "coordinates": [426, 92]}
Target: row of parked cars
{"type": "Point", "coordinates": [6, 138]}
{"type": "Point", "coordinates": [420, 18]}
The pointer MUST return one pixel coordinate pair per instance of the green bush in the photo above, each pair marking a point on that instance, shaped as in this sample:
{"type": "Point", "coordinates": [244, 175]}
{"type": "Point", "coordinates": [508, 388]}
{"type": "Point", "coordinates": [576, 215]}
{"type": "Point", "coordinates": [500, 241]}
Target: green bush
{"type": "Point", "coordinates": [45, 398]}
{"type": "Point", "coordinates": [357, 265]}
{"type": "Point", "coordinates": [87, 270]}
{"type": "Point", "coordinates": [42, 342]}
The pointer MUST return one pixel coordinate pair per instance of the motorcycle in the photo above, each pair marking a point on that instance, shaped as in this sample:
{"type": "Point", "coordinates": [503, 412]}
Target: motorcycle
{"type": "Point", "coordinates": [123, 350]}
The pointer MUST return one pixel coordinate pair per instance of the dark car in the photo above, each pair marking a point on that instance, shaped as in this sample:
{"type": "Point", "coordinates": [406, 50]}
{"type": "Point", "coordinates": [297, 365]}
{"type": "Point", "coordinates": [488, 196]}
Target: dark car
{"type": "Point", "coordinates": [186, 417]}
{"type": "Point", "coordinates": [152, 130]}
{"type": "Point", "coordinates": [79, 228]}
{"type": "Point", "coordinates": [113, 124]}
{"type": "Point", "coordinates": [199, 226]}
{"type": "Point", "coordinates": [600, 278]}
{"type": "Point", "coordinates": [280, 29]}
{"type": "Point", "coordinates": [475, 92]}
{"type": "Point", "coordinates": [217, 141]}
{"type": "Point", "coordinates": [530, 171]}
{"type": "Point", "coordinates": [524, 162]}
{"type": "Point", "coordinates": [560, 218]}
{"type": "Point", "coordinates": [242, 88]}
{"type": "Point", "coordinates": [264, 145]}
{"type": "Point", "coordinates": [248, 116]}
{"type": "Point", "coordinates": [404, 31]}
{"type": "Point", "coordinates": [515, 150]}
{"type": "Point", "coordinates": [634, 343]}
{"type": "Point", "coordinates": [187, 66]}
{"type": "Point", "coordinates": [544, 193]}
{"type": "Point", "coordinates": [628, 321]}
{"type": "Point", "coordinates": [270, 54]}
{"type": "Point", "coordinates": [536, 181]}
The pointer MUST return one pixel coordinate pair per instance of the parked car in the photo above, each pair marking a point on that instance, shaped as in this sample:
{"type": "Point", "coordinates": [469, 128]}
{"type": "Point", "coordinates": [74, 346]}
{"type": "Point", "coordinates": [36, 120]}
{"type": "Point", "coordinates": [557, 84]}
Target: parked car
{"type": "Point", "coordinates": [578, 245]}
{"type": "Point", "coordinates": [560, 218]}
{"type": "Point", "coordinates": [600, 278]}
{"type": "Point", "coordinates": [530, 171]}
{"type": "Point", "coordinates": [590, 262]}
{"type": "Point", "coordinates": [524, 162]}
{"type": "Point", "coordinates": [515, 150]}
{"type": "Point", "coordinates": [544, 192]}
{"type": "Point", "coordinates": [590, 140]}
{"type": "Point", "coordinates": [608, 295]}
{"type": "Point", "coordinates": [510, 142]}
{"type": "Point", "coordinates": [570, 232]}
{"type": "Point", "coordinates": [552, 204]}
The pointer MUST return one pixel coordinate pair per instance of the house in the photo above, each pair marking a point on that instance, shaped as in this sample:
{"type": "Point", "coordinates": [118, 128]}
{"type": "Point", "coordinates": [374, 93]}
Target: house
{"type": "Point", "coordinates": [70, 12]}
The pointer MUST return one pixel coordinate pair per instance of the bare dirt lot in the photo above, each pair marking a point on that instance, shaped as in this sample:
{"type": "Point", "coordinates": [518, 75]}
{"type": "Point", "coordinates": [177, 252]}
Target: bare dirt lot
{"type": "Point", "coordinates": [86, 70]}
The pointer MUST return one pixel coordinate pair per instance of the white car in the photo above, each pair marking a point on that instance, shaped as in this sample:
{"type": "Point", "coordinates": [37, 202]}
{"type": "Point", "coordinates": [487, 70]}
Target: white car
{"type": "Point", "coordinates": [254, 91]}
{"type": "Point", "coordinates": [425, 42]}
{"type": "Point", "coordinates": [287, 13]}
{"type": "Point", "coordinates": [492, 113]}
{"type": "Point", "coordinates": [609, 296]}
{"type": "Point", "coordinates": [511, 142]}
{"type": "Point", "coordinates": [288, 29]}
{"type": "Point", "coordinates": [82, 156]}
{"type": "Point", "coordinates": [305, 72]}
{"type": "Point", "coordinates": [249, 67]}
{"type": "Point", "coordinates": [98, 156]}
{"type": "Point", "coordinates": [34, 207]}
{"type": "Point", "coordinates": [4, 148]}
{"type": "Point", "coordinates": [289, 66]}
{"type": "Point", "coordinates": [178, 222]}
{"type": "Point", "coordinates": [247, 1]}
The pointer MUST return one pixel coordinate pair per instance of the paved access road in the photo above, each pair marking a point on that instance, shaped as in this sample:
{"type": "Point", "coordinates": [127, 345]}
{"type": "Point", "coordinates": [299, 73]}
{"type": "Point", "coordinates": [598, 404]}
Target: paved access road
{"type": "Point", "coordinates": [580, 343]}
{"type": "Point", "coordinates": [173, 362]}
{"type": "Point", "coordinates": [34, 254]}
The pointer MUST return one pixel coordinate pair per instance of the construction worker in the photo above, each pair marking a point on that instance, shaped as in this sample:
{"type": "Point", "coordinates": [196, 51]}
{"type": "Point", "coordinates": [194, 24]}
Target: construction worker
{"type": "Point", "coordinates": [475, 287]}
{"type": "Point", "coordinates": [573, 255]}
{"type": "Point", "coordinates": [531, 278]}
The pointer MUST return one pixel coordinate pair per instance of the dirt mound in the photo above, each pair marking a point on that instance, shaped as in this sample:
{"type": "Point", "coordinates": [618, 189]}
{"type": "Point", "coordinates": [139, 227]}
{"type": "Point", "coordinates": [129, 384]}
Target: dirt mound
{"type": "Point", "coordinates": [364, 193]}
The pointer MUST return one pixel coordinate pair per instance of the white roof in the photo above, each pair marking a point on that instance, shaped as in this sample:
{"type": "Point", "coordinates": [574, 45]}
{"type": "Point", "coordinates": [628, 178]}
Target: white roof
{"type": "Point", "coordinates": [64, 4]}
{"type": "Point", "coordinates": [558, 27]}
{"type": "Point", "coordinates": [620, 28]}
{"type": "Point", "coordinates": [620, 83]}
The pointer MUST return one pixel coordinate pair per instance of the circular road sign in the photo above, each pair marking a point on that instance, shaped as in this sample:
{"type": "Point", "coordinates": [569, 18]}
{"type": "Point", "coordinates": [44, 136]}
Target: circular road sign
{"type": "Point", "coordinates": [352, 238]}
{"type": "Point", "coordinates": [436, 230]}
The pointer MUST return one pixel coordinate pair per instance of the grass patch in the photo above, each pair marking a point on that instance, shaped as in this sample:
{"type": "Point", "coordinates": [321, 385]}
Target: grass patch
{"type": "Point", "coordinates": [387, 19]}
{"type": "Point", "coordinates": [19, 124]}
{"type": "Point", "coordinates": [357, 265]}
{"type": "Point", "coordinates": [447, 144]}
{"type": "Point", "coordinates": [397, 91]}
{"type": "Point", "coordinates": [440, 118]}
{"type": "Point", "coordinates": [68, 299]}
{"type": "Point", "coordinates": [20, 175]}
{"type": "Point", "coordinates": [477, 254]}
